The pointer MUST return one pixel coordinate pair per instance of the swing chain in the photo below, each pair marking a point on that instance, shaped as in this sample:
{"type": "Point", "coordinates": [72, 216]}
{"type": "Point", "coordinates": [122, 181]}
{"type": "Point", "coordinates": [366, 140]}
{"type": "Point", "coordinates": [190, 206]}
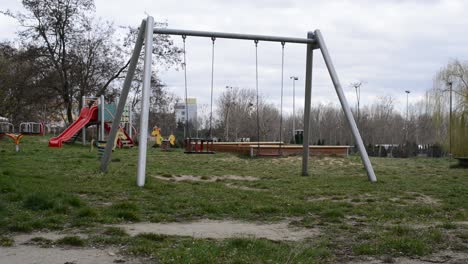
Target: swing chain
{"type": "Point", "coordinates": [187, 131]}
{"type": "Point", "coordinates": [256, 89]}
{"type": "Point", "coordinates": [212, 85]}
{"type": "Point", "coordinates": [281, 109]}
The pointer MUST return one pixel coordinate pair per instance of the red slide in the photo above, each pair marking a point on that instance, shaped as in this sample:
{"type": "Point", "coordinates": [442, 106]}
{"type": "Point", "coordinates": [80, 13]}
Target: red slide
{"type": "Point", "coordinates": [85, 117]}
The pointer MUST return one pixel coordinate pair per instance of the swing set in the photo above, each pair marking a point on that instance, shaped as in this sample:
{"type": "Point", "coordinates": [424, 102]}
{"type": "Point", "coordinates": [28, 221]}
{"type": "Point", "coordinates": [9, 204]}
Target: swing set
{"type": "Point", "coordinates": [205, 145]}
{"type": "Point", "coordinates": [313, 41]}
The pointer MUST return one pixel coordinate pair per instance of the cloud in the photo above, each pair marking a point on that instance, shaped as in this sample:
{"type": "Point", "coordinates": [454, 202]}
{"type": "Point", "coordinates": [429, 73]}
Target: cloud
{"type": "Point", "coordinates": [393, 45]}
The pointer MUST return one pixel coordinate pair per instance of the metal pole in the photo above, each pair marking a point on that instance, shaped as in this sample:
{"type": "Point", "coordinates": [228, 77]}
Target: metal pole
{"type": "Point", "coordinates": [130, 122]}
{"type": "Point", "coordinates": [294, 110]}
{"type": "Point", "coordinates": [358, 105]}
{"type": "Point", "coordinates": [145, 102]}
{"type": "Point", "coordinates": [450, 120]}
{"type": "Point", "coordinates": [407, 120]}
{"type": "Point", "coordinates": [103, 117]}
{"type": "Point", "coordinates": [169, 31]}
{"type": "Point", "coordinates": [294, 78]}
{"type": "Point", "coordinates": [123, 97]}
{"type": "Point", "coordinates": [307, 103]}
{"type": "Point", "coordinates": [83, 130]}
{"type": "Point", "coordinates": [345, 106]}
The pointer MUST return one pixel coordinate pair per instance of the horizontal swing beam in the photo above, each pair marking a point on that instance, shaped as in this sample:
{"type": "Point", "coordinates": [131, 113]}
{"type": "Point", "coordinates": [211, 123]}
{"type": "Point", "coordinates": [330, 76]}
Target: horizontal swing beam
{"type": "Point", "coordinates": [168, 31]}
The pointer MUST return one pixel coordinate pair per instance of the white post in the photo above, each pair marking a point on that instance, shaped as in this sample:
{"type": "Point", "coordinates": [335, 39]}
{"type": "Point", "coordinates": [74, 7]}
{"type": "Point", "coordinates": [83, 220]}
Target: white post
{"type": "Point", "coordinates": [142, 143]}
{"type": "Point", "coordinates": [103, 116]}
{"type": "Point", "coordinates": [83, 131]}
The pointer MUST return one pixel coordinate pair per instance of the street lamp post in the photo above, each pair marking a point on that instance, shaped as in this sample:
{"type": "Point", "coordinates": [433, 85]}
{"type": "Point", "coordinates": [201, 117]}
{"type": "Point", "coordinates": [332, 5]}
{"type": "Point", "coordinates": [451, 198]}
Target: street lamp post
{"type": "Point", "coordinates": [227, 112]}
{"type": "Point", "coordinates": [357, 87]}
{"type": "Point", "coordinates": [294, 79]}
{"type": "Point", "coordinates": [407, 120]}
{"type": "Point", "coordinates": [450, 120]}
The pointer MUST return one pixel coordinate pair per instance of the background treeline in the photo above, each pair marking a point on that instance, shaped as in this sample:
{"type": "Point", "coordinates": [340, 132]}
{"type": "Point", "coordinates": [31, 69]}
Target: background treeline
{"type": "Point", "coordinates": [426, 129]}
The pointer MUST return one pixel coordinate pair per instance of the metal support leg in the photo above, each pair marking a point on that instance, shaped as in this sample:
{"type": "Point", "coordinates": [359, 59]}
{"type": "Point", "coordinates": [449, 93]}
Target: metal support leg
{"type": "Point", "coordinates": [130, 122]}
{"type": "Point", "coordinates": [145, 102]}
{"type": "Point", "coordinates": [307, 103]}
{"type": "Point", "coordinates": [83, 130]}
{"type": "Point", "coordinates": [345, 106]}
{"type": "Point", "coordinates": [102, 102]}
{"type": "Point", "coordinates": [123, 97]}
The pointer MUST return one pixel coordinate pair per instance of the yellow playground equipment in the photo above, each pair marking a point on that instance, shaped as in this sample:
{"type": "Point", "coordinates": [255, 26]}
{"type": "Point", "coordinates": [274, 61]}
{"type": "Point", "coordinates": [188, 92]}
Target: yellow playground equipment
{"type": "Point", "coordinates": [160, 141]}
{"type": "Point", "coordinates": [120, 135]}
{"type": "Point", "coordinates": [16, 139]}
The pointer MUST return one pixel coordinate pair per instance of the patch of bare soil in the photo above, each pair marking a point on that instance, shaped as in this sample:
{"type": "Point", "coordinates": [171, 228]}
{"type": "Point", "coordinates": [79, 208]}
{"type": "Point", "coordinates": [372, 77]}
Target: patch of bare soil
{"type": "Point", "coordinates": [414, 198]}
{"type": "Point", "coordinates": [425, 199]}
{"type": "Point", "coordinates": [29, 254]}
{"type": "Point", "coordinates": [288, 159]}
{"type": "Point", "coordinates": [178, 178]}
{"type": "Point", "coordinates": [223, 229]}
{"type": "Point", "coordinates": [230, 159]}
{"type": "Point", "coordinates": [355, 200]}
{"type": "Point", "coordinates": [408, 198]}
{"type": "Point", "coordinates": [449, 257]}
{"type": "Point", "coordinates": [26, 252]}
{"type": "Point", "coordinates": [244, 188]}
{"type": "Point", "coordinates": [335, 161]}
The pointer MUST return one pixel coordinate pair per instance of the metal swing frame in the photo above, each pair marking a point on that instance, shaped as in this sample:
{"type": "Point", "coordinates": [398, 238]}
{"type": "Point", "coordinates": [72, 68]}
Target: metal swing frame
{"type": "Point", "coordinates": [313, 41]}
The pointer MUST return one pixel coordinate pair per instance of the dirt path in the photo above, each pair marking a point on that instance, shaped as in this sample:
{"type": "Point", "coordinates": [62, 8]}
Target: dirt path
{"type": "Point", "coordinates": [446, 257]}
{"type": "Point", "coordinates": [22, 254]}
{"type": "Point", "coordinates": [223, 229]}
{"type": "Point", "coordinates": [178, 178]}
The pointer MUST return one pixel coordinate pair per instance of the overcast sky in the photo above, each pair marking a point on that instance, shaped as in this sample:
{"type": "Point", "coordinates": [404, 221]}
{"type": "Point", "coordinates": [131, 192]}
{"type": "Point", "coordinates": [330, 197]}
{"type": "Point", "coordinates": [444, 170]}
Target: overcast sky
{"type": "Point", "coordinates": [392, 45]}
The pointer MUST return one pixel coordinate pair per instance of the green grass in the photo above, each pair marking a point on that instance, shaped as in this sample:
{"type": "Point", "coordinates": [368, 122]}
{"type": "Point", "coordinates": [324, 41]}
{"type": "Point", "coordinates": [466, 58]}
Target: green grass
{"type": "Point", "coordinates": [401, 240]}
{"type": "Point", "coordinates": [6, 241]}
{"type": "Point", "coordinates": [41, 242]}
{"type": "Point", "coordinates": [74, 241]}
{"type": "Point", "coordinates": [56, 189]}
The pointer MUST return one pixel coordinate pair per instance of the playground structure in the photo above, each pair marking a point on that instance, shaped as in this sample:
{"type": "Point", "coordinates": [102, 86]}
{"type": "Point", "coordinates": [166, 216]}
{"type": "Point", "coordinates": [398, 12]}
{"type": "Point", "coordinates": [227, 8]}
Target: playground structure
{"type": "Point", "coordinates": [165, 143]}
{"type": "Point", "coordinates": [32, 128]}
{"type": "Point", "coordinates": [25, 128]}
{"type": "Point", "coordinates": [95, 111]}
{"type": "Point", "coordinates": [313, 41]}
{"type": "Point", "coordinates": [16, 139]}
{"type": "Point", "coordinates": [6, 127]}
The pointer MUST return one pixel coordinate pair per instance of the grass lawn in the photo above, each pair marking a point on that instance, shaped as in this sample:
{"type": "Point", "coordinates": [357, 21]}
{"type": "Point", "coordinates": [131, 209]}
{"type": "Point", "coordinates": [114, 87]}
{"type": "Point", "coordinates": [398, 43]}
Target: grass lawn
{"type": "Point", "coordinates": [418, 206]}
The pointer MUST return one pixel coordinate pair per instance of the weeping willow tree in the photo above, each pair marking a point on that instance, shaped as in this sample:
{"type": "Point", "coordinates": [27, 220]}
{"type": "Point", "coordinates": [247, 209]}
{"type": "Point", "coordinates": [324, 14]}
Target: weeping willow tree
{"type": "Point", "coordinates": [451, 80]}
